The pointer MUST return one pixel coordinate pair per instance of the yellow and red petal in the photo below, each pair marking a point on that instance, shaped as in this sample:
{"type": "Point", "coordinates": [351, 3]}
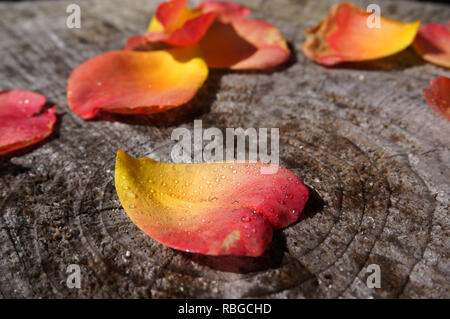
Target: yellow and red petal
{"type": "Point", "coordinates": [345, 36]}
{"type": "Point", "coordinates": [188, 34]}
{"type": "Point", "coordinates": [208, 208]}
{"type": "Point", "coordinates": [23, 121]}
{"type": "Point", "coordinates": [438, 96]}
{"type": "Point", "coordinates": [226, 11]}
{"type": "Point", "coordinates": [244, 45]}
{"type": "Point", "coordinates": [174, 24]}
{"type": "Point", "coordinates": [170, 13]}
{"type": "Point", "coordinates": [432, 43]}
{"type": "Point", "coordinates": [136, 82]}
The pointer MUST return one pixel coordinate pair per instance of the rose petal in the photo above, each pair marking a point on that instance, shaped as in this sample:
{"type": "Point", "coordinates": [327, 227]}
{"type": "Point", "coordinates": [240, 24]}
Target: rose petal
{"type": "Point", "coordinates": [433, 43]}
{"type": "Point", "coordinates": [135, 82]}
{"type": "Point", "coordinates": [174, 24]}
{"type": "Point", "coordinates": [244, 44]}
{"type": "Point", "coordinates": [208, 208]}
{"type": "Point", "coordinates": [345, 36]}
{"type": "Point", "coordinates": [21, 123]}
{"type": "Point", "coordinates": [226, 11]}
{"type": "Point", "coordinates": [169, 13]}
{"type": "Point", "coordinates": [438, 96]}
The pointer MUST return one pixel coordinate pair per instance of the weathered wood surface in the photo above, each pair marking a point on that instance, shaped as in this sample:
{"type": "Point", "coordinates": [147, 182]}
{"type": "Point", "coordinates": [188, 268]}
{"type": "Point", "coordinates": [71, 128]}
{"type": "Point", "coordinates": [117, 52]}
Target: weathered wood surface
{"type": "Point", "coordinates": [361, 136]}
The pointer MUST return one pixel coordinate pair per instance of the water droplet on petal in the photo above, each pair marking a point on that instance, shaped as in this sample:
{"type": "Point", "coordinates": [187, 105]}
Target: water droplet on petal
{"type": "Point", "coordinates": [245, 219]}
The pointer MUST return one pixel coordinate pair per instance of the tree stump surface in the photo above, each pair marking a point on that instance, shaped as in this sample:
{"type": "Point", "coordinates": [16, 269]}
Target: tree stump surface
{"type": "Point", "coordinates": [361, 136]}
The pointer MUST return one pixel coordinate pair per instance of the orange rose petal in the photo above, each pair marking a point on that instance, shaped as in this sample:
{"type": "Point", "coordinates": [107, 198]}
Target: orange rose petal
{"type": "Point", "coordinates": [433, 43]}
{"type": "Point", "coordinates": [226, 11]}
{"type": "Point", "coordinates": [244, 44]}
{"type": "Point", "coordinates": [345, 36]}
{"type": "Point", "coordinates": [438, 96]}
{"type": "Point", "coordinates": [135, 82]}
{"type": "Point", "coordinates": [208, 208]}
{"type": "Point", "coordinates": [22, 121]}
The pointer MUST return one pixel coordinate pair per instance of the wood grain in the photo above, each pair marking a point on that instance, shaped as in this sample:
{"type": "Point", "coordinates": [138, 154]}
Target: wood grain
{"type": "Point", "coordinates": [361, 136]}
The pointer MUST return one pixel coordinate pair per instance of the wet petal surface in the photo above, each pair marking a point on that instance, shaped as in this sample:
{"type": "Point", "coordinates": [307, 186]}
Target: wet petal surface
{"type": "Point", "coordinates": [135, 82]}
{"type": "Point", "coordinates": [208, 208]}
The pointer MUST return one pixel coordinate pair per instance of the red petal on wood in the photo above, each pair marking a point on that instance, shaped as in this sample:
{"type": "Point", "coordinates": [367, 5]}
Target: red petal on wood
{"type": "Point", "coordinates": [21, 121]}
{"type": "Point", "coordinates": [438, 96]}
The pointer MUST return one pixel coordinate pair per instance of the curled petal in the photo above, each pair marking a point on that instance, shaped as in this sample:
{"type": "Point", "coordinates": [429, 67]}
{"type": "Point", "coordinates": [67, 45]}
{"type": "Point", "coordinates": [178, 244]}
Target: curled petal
{"type": "Point", "coordinates": [208, 208]}
{"type": "Point", "coordinates": [433, 43]}
{"type": "Point", "coordinates": [135, 82]}
{"type": "Point", "coordinates": [438, 96]}
{"type": "Point", "coordinates": [174, 24]}
{"type": "Point", "coordinates": [345, 35]}
{"type": "Point", "coordinates": [172, 13]}
{"type": "Point", "coordinates": [244, 44]}
{"type": "Point", "coordinates": [23, 121]}
{"type": "Point", "coordinates": [226, 11]}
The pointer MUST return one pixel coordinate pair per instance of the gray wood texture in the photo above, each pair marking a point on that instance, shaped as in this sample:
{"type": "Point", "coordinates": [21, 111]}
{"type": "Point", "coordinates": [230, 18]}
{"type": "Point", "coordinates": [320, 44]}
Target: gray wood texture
{"type": "Point", "coordinates": [361, 136]}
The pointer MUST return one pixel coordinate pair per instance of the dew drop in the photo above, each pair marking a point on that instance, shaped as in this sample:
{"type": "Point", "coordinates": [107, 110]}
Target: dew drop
{"type": "Point", "coordinates": [245, 219]}
{"type": "Point", "coordinates": [212, 198]}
